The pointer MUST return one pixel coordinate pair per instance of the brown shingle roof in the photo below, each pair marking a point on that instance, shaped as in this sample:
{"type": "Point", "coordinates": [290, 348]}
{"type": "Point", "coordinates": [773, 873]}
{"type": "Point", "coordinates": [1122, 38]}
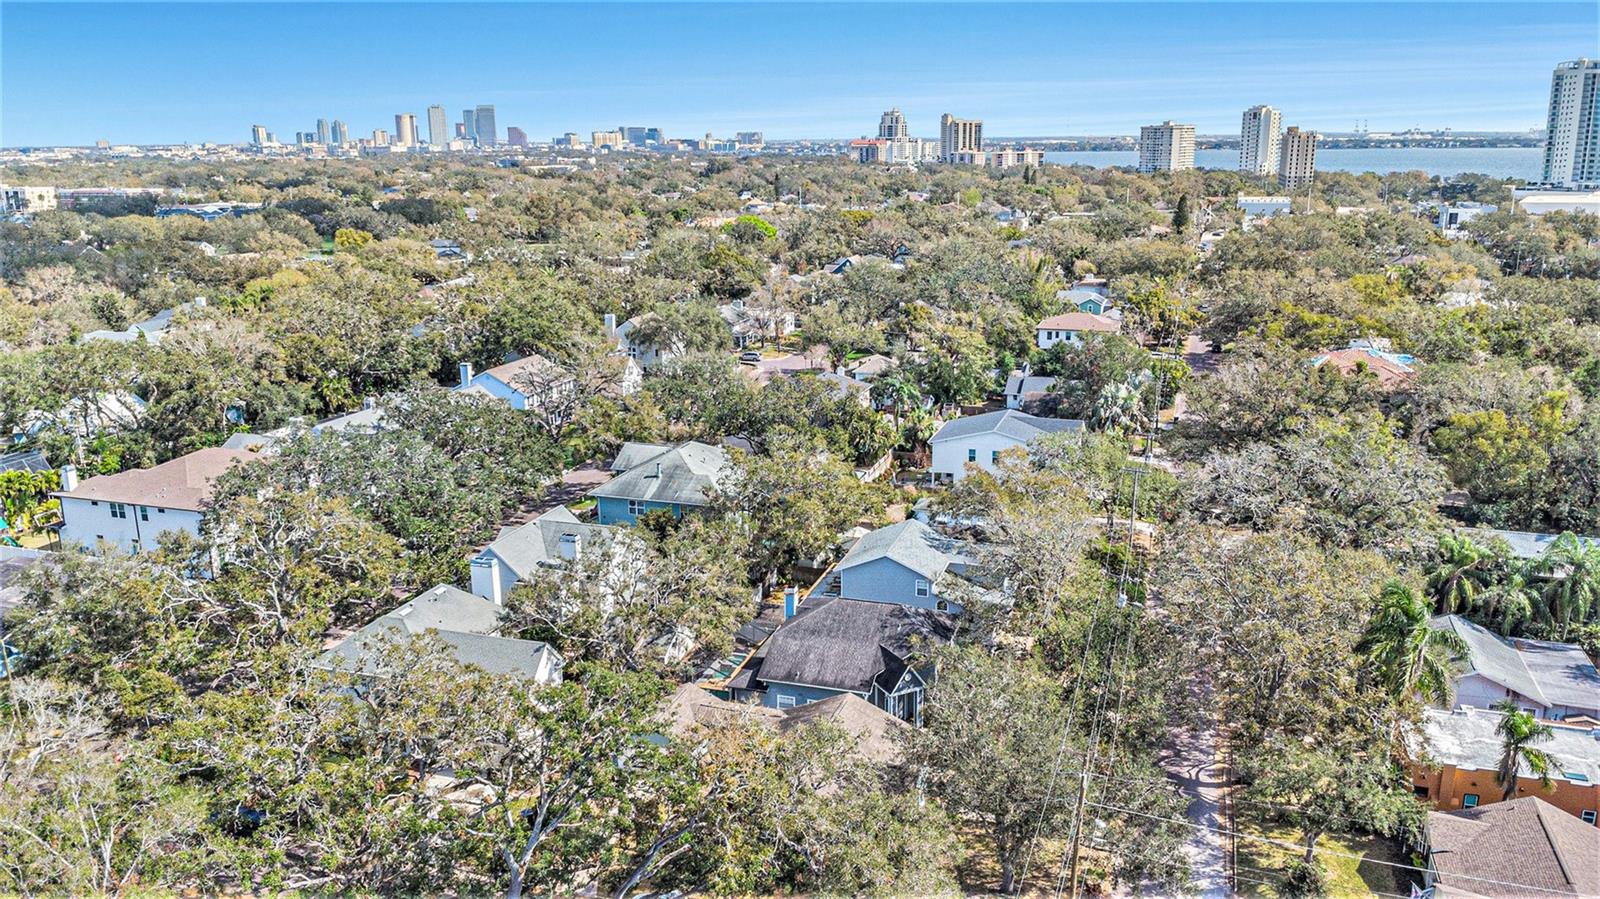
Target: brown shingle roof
{"type": "Point", "coordinates": [1531, 847]}
{"type": "Point", "coordinates": [183, 483]}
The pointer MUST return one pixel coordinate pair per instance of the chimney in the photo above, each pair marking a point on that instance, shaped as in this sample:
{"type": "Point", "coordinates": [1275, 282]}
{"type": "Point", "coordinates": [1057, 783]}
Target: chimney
{"type": "Point", "coordinates": [658, 469]}
{"type": "Point", "coordinates": [571, 546]}
{"type": "Point", "coordinates": [486, 580]}
{"type": "Point", "coordinates": [611, 325]}
{"type": "Point", "coordinates": [791, 598]}
{"type": "Point", "coordinates": [466, 373]}
{"type": "Point", "coordinates": [69, 478]}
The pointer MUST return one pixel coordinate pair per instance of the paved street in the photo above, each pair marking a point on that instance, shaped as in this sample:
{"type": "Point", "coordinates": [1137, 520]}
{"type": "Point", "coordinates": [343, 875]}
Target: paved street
{"type": "Point", "coordinates": [1190, 761]}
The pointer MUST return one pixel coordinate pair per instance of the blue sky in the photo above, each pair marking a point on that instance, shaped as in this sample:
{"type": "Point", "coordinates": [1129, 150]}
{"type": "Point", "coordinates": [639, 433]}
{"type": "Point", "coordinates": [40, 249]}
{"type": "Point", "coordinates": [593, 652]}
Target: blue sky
{"type": "Point", "coordinates": [71, 73]}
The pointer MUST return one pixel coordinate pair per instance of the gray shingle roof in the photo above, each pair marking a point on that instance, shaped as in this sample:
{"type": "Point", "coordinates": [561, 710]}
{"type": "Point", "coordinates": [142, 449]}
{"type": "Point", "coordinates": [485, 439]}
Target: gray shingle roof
{"type": "Point", "coordinates": [848, 645]}
{"type": "Point", "coordinates": [538, 543]}
{"type": "Point", "coordinates": [1020, 384]}
{"type": "Point", "coordinates": [1552, 673]}
{"type": "Point", "coordinates": [911, 543]}
{"type": "Point", "coordinates": [678, 475]}
{"type": "Point", "coordinates": [1514, 849]}
{"type": "Point", "coordinates": [1523, 544]}
{"type": "Point", "coordinates": [466, 624]}
{"type": "Point", "coordinates": [1017, 425]}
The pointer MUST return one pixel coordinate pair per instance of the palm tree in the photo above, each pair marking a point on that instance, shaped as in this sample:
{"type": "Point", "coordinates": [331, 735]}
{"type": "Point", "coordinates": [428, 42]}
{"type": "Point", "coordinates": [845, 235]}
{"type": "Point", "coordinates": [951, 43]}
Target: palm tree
{"type": "Point", "coordinates": [1518, 732]}
{"type": "Point", "coordinates": [1572, 588]}
{"type": "Point", "coordinates": [1463, 570]}
{"type": "Point", "coordinates": [899, 390]}
{"type": "Point", "coordinates": [1508, 602]}
{"type": "Point", "coordinates": [1407, 654]}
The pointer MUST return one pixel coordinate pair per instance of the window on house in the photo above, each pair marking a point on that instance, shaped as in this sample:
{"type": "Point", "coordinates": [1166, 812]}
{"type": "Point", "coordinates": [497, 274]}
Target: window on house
{"type": "Point", "coordinates": [972, 455]}
{"type": "Point", "coordinates": [161, 510]}
{"type": "Point", "coordinates": [636, 507]}
{"type": "Point", "coordinates": [922, 587]}
{"type": "Point", "coordinates": [144, 513]}
{"type": "Point", "coordinates": [118, 510]}
{"type": "Point", "coordinates": [942, 605]}
{"type": "Point", "coordinates": [1420, 791]}
{"type": "Point", "coordinates": [94, 502]}
{"type": "Point", "coordinates": [785, 701]}
{"type": "Point", "coordinates": [994, 457]}
{"type": "Point", "coordinates": [1588, 816]}
{"type": "Point", "coordinates": [1470, 800]}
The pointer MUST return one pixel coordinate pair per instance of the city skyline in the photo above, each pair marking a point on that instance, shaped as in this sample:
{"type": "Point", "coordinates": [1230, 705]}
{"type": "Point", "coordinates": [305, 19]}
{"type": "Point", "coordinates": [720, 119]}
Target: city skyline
{"type": "Point", "coordinates": [1193, 64]}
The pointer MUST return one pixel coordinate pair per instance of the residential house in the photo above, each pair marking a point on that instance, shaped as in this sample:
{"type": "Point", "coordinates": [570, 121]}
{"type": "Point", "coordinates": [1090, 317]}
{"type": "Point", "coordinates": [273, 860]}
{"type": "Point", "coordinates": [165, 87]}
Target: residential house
{"type": "Point", "coordinates": [1264, 207]}
{"type": "Point", "coordinates": [632, 344]}
{"type": "Point", "coordinates": [1462, 760]}
{"type": "Point", "coordinates": [834, 646]}
{"type": "Point", "coordinates": [1024, 390]}
{"type": "Point", "coordinates": [1549, 680]}
{"type": "Point", "coordinates": [85, 417]}
{"type": "Point", "coordinates": [150, 330]}
{"type": "Point", "coordinates": [449, 250]}
{"type": "Point", "coordinates": [1393, 370]}
{"type": "Point", "coordinates": [752, 325]}
{"type": "Point", "coordinates": [653, 476]}
{"type": "Point", "coordinates": [840, 387]}
{"type": "Point", "coordinates": [873, 730]}
{"type": "Point", "coordinates": [1071, 327]}
{"type": "Point", "coordinates": [980, 439]}
{"type": "Point", "coordinates": [556, 539]}
{"type": "Point", "coordinates": [30, 461]}
{"type": "Point", "coordinates": [132, 509]}
{"type": "Point", "coordinates": [1093, 284]}
{"type": "Point", "coordinates": [869, 368]}
{"type": "Point", "coordinates": [1527, 546]}
{"type": "Point", "coordinates": [904, 563]}
{"type": "Point", "coordinates": [531, 382]}
{"type": "Point", "coordinates": [1511, 850]}
{"type": "Point", "coordinates": [467, 626]}
{"type": "Point", "coordinates": [1094, 302]}
{"type": "Point", "coordinates": [366, 420]}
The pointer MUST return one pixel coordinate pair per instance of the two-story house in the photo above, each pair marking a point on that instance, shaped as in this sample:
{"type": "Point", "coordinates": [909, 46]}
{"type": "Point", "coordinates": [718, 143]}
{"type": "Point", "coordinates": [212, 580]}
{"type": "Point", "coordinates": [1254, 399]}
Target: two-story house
{"type": "Point", "coordinates": [527, 383]}
{"type": "Point", "coordinates": [834, 646]}
{"type": "Point", "coordinates": [1457, 763]}
{"type": "Point", "coordinates": [556, 539]}
{"type": "Point", "coordinates": [980, 439]}
{"type": "Point", "coordinates": [1070, 328]}
{"type": "Point", "coordinates": [904, 563]}
{"type": "Point", "coordinates": [653, 476]}
{"type": "Point", "coordinates": [632, 343]}
{"type": "Point", "coordinates": [132, 509]}
{"type": "Point", "coordinates": [1554, 681]}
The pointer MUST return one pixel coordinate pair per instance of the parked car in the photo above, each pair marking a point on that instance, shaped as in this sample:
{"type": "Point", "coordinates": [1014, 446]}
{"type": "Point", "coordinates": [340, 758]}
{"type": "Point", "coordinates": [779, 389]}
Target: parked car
{"type": "Point", "coordinates": [750, 357]}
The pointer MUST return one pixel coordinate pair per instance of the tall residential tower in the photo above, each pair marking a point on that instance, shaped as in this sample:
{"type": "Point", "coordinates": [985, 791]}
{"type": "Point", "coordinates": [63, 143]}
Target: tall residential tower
{"type": "Point", "coordinates": [960, 140]}
{"type": "Point", "coordinates": [483, 126]}
{"type": "Point", "coordinates": [892, 125]}
{"type": "Point", "coordinates": [1572, 138]}
{"type": "Point", "coordinates": [1259, 139]}
{"type": "Point", "coordinates": [1297, 161]}
{"type": "Point", "coordinates": [1167, 147]}
{"type": "Point", "coordinates": [438, 126]}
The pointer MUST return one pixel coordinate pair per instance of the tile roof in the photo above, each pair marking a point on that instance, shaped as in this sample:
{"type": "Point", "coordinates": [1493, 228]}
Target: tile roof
{"type": "Point", "coordinates": [1555, 674]}
{"type": "Point", "coordinates": [848, 645]}
{"type": "Point", "coordinates": [183, 483]}
{"type": "Point", "coordinates": [1080, 321]}
{"type": "Point", "coordinates": [1016, 425]}
{"type": "Point", "coordinates": [910, 543]}
{"type": "Point", "coordinates": [1466, 738]}
{"type": "Point", "coordinates": [1391, 369]}
{"type": "Point", "coordinates": [679, 474]}
{"type": "Point", "coordinates": [1523, 847]}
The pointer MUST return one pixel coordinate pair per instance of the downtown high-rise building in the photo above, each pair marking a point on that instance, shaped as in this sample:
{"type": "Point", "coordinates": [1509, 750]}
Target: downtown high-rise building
{"type": "Point", "coordinates": [1297, 159]}
{"type": "Point", "coordinates": [1572, 132]}
{"type": "Point", "coordinates": [405, 129]}
{"type": "Point", "coordinates": [438, 126]}
{"type": "Point", "coordinates": [960, 140]}
{"type": "Point", "coordinates": [1259, 139]}
{"type": "Point", "coordinates": [483, 126]}
{"type": "Point", "coordinates": [469, 124]}
{"type": "Point", "coordinates": [324, 134]}
{"type": "Point", "coordinates": [1167, 147]}
{"type": "Point", "coordinates": [516, 137]}
{"type": "Point", "coordinates": [341, 133]}
{"type": "Point", "coordinates": [892, 125]}
{"type": "Point", "coordinates": [258, 135]}
{"type": "Point", "coordinates": [602, 139]}
{"type": "Point", "coordinates": [380, 137]}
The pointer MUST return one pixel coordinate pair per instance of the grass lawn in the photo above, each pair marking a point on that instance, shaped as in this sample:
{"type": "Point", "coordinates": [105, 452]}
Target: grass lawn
{"type": "Point", "coordinates": [1346, 876]}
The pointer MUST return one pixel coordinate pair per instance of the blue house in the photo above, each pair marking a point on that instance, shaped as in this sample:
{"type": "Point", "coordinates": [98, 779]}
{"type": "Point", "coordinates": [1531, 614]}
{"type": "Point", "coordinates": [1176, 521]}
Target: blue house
{"type": "Point", "coordinates": [527, 383]}
{"type": "Point", "coordinates": [901, 564]}
{"type": "Point", "coordinates": [652, 476]}
{"type": "Point", "coordinates": [833, 647]}
{"type": "Point", "coordinates": [1091, 301]}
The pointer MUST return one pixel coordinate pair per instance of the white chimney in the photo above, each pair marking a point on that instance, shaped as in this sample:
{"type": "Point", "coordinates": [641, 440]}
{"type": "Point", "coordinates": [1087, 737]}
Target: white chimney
{"type": "Point", "coordinates": [466, 373]}
{"type": "Point", "coordinates": [486, 579]}
{"type": "Point", "coordinates": [611, 325]}
{"type": "Point", "coordinates": [69, 478]}
{"type": "Point", "coordinates": [571, 545]}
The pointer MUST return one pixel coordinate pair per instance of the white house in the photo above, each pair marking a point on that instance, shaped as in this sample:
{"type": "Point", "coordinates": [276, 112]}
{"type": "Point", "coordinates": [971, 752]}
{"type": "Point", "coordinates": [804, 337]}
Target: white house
{"type": "Point", "coordinates": [980, 439]}
{"type": "Point", "coordinates": [1553, 681]}
{"type": "Point", "coordinates": [1264, 207]}
{"type": "Point", "coordinates": [628, 341]}
{"type": "Point", "coordinates": [554, 540]}
{"type": "Point", "coordinates": [132, 509]}
{"type": "Point", "coordinates": [1452, 216]}
{"type": "Point", "coordinates": [1070, 328]}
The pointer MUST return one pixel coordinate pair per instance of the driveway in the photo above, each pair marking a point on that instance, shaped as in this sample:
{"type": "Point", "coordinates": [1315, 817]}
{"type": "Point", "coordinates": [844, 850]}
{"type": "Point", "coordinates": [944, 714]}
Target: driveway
{"type": "Point", "coordinates": [1190, 761]}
